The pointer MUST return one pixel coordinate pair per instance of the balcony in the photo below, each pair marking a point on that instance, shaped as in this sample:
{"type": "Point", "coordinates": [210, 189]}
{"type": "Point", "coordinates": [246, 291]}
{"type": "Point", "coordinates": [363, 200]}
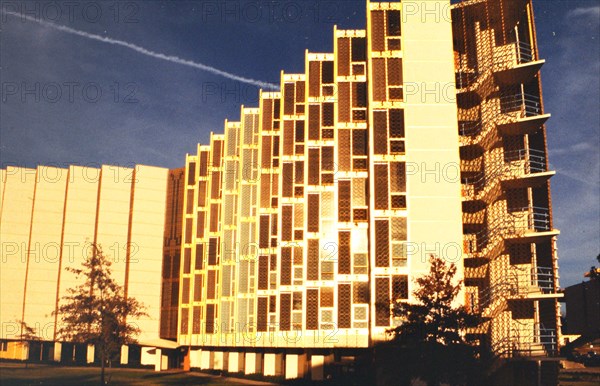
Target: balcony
{"type": "Point", "coordinates": [465, 78]}
{"type": "Point", "coordinates": [525, 168]}
{"type": "Point", "coordinates": [534, 345]}
{"type": "Point", "coordinates": [518, 284]}
{"type": "Point", "coordinates": [521, 168]}
{"type": "Point", "coordinates": [468, 81]}
{"type": "Point", "coordinates": [531, 226]}
{"type": "Point", "coordinates": [520, 67]}
{"type": "Point", "coordinates": [538, 342]}
{"type": "Point", "coordinates": [469, 132]}
{"type": "Point", "coordinates": [522, 114]}
{"type": "Point", "coordinates": [527, 225]}
{"type": "Point", "coordinates": [469, 128]}
{"type": "Point", "coordinates": [542, 284]}
{"type": "Point", "coordinates": [533, 283]}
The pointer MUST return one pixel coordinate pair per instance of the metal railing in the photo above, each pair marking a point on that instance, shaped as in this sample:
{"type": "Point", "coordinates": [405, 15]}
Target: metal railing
{"type": "Point", "coordinates": [540, 342]}
{"type": "Point", "coordinates": [518, 343]}
{"type": "Point", "coordinates": [469, 128]}
{"type": "Point", "coordinates": [530, 218]}
{"type": "Point", "coordinates": [538, 218]}
{"type": "Point", "coordinates": [543, 278]}
{"type": "Point", "coordinates": [526, 105]}
{"type": "Point", "coordinates": [465, 78]}
{"type": "Point", "coordinates": [533, 161]}
{"type": "Point", "coordinates": [524, 52]}
{"type": "Point", "coordinates": [516, 282]}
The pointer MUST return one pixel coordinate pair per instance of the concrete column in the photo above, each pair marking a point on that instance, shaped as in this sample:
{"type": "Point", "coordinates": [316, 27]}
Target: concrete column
{"type": "Point", "coordinates": [220, 360]}
{"type": "Point", "coordinates": [57, 351]}
{"type": "Point", "coordinates": [273, 364]}
{"type": "Point", "coordinates": [164, 361]}
{"type": "Point", "coordinates": [25, 352]}
{"type": "Point", "coordinates": [236, 362]}
{"type": "Point", "coordinates": [253, 363]}
{"type": "Point", "coordinates": [148, 358]}
{"type": "Point", "coordinates": [158, 358]}
{"type": "Point", "coordinates": [317, 366]}
{"type": "Point", "coordinates": [207, 360]}
{"type": "Point", "coordinates": [195, 357]}
{"type": "Point", "coordinates": [124, 354]}
{"type": "Point", "coordinates": [91, 350]}
{"type": "Point", "coordinates": [186, 361]}
{"type": "Point", "coordinates": [294, 366]}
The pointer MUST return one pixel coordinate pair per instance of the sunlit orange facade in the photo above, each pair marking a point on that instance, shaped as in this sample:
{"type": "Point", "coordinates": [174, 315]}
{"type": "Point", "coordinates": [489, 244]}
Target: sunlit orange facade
{"type": "Point", "coordinates": [308, 218]}
{"type": "Point", "coordinates": [287, 238]}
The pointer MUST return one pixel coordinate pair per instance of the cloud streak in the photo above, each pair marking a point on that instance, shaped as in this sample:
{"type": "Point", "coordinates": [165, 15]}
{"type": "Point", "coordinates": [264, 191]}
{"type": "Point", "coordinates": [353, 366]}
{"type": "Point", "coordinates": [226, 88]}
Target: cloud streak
{"type": "Point", "coordinates": [585, 11]}
{"type": "Point", "coordinates": [144, 51]}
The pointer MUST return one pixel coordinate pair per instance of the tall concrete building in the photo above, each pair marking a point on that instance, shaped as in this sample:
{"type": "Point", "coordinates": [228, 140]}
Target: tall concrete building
{"type": "Point", "coordinates": [421, 135]}
{"type": "Point", "coordinates": [283, 243]}
{"type": "Point", "coordinates": [49, 218]}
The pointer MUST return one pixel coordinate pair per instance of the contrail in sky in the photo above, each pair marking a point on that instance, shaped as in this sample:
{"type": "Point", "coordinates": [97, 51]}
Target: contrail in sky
{"type": "Point", "coordinates": [144, 51]}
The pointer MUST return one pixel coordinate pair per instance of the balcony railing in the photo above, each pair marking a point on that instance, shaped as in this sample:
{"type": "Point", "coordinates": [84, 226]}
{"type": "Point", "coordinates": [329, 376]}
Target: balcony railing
{"type": "Point", "coordinates": [534, 160]}
{"type": "Point", "coordinates": [524, 52]}
{"type": "Point", "coordinates": [520, 343]}
{"type": "Point", "coordinates": [540, 342]}
{"type": "Point", "coordinates": [469, 128]}
{"type": "Point", "coordinates": [534, 219]}
{"type": "Point", "coordinates": [465, 78]}
{"type": "Point", "coordinates": [525, 105]}
{"type": "Point", "coordinates": [543, 278]}
{"type": "Point", "coordinates": [515, 282]}
{"type": "Point", "coordinates": [538, 218]}
{"type": "Point", "coordinates": [517, 164]}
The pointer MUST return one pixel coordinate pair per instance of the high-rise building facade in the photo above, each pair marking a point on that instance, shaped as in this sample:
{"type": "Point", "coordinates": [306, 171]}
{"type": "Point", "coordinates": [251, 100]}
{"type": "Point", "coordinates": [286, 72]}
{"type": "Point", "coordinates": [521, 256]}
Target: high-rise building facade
{"type": "Point", "coordinates": [285, 240]}
{"type": "Point", "coordinates": [511, 271]}
{"type": "Point", "coordinates": [421, 135]}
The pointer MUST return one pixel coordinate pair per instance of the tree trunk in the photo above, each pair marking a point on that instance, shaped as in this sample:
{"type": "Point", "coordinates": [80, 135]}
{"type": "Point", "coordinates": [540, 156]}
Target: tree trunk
{"type": "Point", "coordinates": [102, 368]}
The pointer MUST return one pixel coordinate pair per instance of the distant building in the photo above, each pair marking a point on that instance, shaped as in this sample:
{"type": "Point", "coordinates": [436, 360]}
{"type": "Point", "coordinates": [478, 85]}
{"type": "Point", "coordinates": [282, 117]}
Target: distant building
{"type": "Point", "coordinates": [583, 308]}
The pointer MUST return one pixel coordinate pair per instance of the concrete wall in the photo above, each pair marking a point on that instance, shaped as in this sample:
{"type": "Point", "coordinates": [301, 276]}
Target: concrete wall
{"type": "Point", "coordinates": [49, 217]}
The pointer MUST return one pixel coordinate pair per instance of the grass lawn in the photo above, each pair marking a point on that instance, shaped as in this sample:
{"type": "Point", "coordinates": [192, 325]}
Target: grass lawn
{"type": "Point", "coordinates": [17, 374]}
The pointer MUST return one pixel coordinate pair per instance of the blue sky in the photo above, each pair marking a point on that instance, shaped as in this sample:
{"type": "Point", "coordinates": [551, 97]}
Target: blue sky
{"type": "Point", "coordinates": [69, 99]}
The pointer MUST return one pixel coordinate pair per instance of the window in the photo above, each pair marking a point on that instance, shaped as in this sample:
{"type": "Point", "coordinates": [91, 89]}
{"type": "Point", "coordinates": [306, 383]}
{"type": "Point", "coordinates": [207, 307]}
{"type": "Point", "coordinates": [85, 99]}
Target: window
{"type": "Point", "coordinates": [393, 23]}
{"type": "Point", "coordinates": [192, 174]}
{"type": "Point", "coordinates": [344, 253]}
{"type": "Point", "coordinates": [326, 270]}
{"type": "Point", "coordinates": [312, 309]}
{"type": "Point", "coordinates": [382, 242]}
{"type": "Point", "coordinates": [399, 287]}
{"type": "Point", "coordinates": [196, 317]}
{"type": "Point", "coordinates": [382, 301]}
{"type": "Point", "coordinates": [285, 314]}
{"type": "Point", "coordinates": [185, 314]}
{"type": "Point", "coordinates": [360, 292]}
{"type": "Point", "coordinates": [360, 317]}
{"type": "Point", "coordinates": [360, 263]}
{"type": "Point", "coordinates": [344, 306]}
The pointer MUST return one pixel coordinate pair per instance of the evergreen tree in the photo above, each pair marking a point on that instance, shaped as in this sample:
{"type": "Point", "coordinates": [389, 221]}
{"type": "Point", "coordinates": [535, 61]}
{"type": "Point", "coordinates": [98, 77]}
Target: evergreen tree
{"type": "Point", "coordinates": [96, 311]}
